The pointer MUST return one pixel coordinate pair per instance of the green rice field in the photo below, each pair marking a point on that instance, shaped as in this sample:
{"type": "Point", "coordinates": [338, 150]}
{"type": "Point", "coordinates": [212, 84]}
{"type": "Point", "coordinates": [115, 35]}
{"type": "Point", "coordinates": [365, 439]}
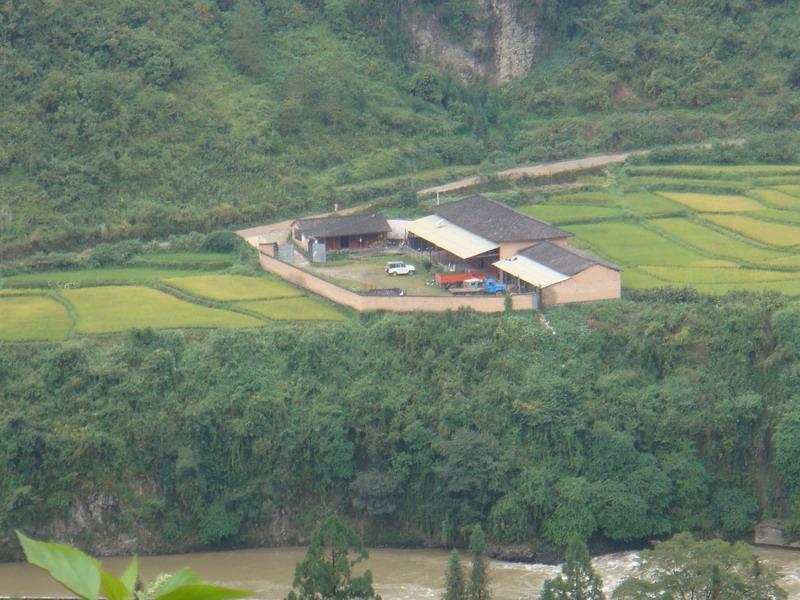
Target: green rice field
{"type": "Point", "coordinates": [107, 309]}
{"type": "Point", "coordinates": [715, 228]}
{"type": "Point", "coordinates": [713, 202]}
{"type": "Point", "coordinates": [33, 318]}
{"type": "Point", "coordinates": [95, 276]}
{"type": "Point", "coordinates": [229, 288]}
{"type": "Point", "coordinates": [766, 232]}
{"type": "Point", "coordinates": [84, 303]}
{"type": "Point", "coordinates": [777, 199]}
{"type": "Point", "coordinates": [560, 215]}
{"type": "Point", "coordinates": [713, 241]}
{"type": "Point", "coordinates": [295, 309]}
{"type": "Point", "coordinates": [619, 241]}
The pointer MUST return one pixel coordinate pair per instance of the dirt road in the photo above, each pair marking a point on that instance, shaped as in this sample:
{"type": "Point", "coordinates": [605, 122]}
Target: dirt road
{"type": "Point", "coordinates": [543, 169]}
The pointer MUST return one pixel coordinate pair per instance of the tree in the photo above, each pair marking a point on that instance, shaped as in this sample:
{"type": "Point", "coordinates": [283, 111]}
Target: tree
{"type": "Point", "coordinates": [454, 588]}
{"type": "Point", "coordinates": [578, 580]}
{"type": "Point", "coordinates": [478, 588]}
{"type": "Point", "coordinates": [246, 31]}
{"type": "Point", "coordinates": [326, 570]}
{"type": "Point", "coordinates": [81, 574]}
{"type": "Point", "coordinates": [683, 567]}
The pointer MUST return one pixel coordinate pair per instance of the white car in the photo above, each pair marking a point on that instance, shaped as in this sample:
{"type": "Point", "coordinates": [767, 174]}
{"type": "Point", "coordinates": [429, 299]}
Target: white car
{"type": "Point", "coordinates": [399, 268]}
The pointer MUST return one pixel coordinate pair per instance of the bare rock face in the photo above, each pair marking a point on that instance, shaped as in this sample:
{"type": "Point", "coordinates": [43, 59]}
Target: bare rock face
{"type": "Point", "coordinates": [503, 48]}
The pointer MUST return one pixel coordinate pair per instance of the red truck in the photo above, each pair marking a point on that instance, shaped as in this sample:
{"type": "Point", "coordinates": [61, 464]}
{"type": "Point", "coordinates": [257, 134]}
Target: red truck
{"type": "Point", "coordinates": [448, 280]}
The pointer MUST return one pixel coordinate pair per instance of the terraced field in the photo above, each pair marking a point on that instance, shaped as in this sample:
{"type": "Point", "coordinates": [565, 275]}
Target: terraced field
{"type": "Point", "coordinates": [715, 228]}
{"type": "Point", "coordinates": [55, 305]}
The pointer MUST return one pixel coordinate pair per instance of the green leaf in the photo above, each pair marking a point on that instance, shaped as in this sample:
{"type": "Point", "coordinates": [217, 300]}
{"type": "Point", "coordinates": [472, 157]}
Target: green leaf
{"type": "Point", "coordinates": [130, 575]}
{"type": "Point", "coordinates": [112, 588]}
{"type": "Point", "coordinates": [76, 571]}
{"type": "Point", "coordinates": [182, 578]}
{"type": "Point", "coordinates": [199, 591]}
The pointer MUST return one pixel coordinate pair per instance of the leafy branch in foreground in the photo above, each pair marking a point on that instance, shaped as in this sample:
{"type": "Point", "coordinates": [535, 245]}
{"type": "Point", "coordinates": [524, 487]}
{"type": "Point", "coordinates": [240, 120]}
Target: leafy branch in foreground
{"type": "Point", "coordinates": [82, 575]}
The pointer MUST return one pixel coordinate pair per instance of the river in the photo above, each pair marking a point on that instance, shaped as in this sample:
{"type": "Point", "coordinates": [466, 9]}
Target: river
{"type": "Point", "coordinates": [398, 574]}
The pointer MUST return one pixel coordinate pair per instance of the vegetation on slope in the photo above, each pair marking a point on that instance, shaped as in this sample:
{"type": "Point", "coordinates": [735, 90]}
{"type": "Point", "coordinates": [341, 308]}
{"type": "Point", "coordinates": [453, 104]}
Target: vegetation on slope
{"type": "Point", "coordinates": [636, 420]}
{"type": "Point", "coordinates": [135, 119]}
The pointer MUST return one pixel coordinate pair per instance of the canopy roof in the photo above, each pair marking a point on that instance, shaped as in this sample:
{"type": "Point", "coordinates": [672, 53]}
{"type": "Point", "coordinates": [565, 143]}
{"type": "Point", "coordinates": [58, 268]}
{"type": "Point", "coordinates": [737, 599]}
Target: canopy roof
{"type": "Point", "coordinates": [450, 237]}
{"type": "Point", "coordinates": [531, 271]}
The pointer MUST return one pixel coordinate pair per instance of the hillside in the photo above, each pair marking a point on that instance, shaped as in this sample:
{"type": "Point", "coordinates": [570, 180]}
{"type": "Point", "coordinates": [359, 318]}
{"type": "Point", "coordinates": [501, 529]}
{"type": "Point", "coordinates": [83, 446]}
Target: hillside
{"type": "Point", "coordinates": [637, 420]}
{"type": "Point", "coordinates": [138, 119]}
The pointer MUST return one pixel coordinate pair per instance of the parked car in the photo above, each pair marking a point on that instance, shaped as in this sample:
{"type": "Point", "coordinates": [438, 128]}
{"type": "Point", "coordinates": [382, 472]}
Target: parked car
{"type": "Point", "coordinates": [400, 268]}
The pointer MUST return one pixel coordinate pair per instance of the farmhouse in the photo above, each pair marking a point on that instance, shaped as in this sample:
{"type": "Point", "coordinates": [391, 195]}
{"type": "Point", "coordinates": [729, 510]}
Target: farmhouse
{"type": "Point", "coordinates": [341, 232]}
{"type": "Point", "coordinates": [479, 234]}
{"type": "Point", "coordinates": [561, 274]}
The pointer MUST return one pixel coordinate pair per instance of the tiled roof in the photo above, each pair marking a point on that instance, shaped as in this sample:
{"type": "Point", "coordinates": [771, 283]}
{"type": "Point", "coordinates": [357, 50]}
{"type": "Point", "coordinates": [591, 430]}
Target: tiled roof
{"type": "Point", "coordinates": [497, 222]}
{"type": "Point", "coordinates": [568, 261]}
{"type": "Point", "coordinates": [324, 227]}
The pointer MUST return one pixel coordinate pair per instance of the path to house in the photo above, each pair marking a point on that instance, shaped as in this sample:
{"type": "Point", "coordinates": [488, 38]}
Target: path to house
{"type": "Point", "coordinates": [539, 170]}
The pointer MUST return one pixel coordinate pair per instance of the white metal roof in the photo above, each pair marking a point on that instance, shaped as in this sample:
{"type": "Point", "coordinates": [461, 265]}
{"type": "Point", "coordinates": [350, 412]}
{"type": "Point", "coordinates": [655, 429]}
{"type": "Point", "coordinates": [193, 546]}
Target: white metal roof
{"type": "Point", "coordinates": [450, 237]}
{"type": "Point", "coordinates": [530, 270]}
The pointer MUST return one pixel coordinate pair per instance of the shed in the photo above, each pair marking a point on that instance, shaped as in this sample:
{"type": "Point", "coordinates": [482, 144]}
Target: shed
{"type": "Point", "coordinates": [341, 232]}
{"type": "Point", "coordinates": [562, 274]}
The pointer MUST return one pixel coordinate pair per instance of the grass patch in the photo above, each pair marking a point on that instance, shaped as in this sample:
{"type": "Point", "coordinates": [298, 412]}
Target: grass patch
{"type": "Point", "coordinates": [790, 287]}
{"type": "Point", "coordinates": [570, 214]}
{"type": "Point", "coordinates": [772, 234]}
{"type": "Point", "coordinates": [777, 199]}
{"type": "Point", "coordinates": [33, 318]}
{"type": "Point", "coordinates": [205, 260]}
{"type": "Point", "coordinates": [714, 171]}
{"type": "Point", "coordinates": [117, 308]}
{"type": "Point", "coordinates": [690, 185]}
{"type": "Point", "coordinates": [632, 244]}
{"type": "Point", "coordinates": [95, 276]}
{"type": "Point", "coordinates": [712, 241]}
{"type": "Point", "coordinates": [585, 197]}
{"type": "Point", "coordinates": [294, 309]}
{"type": "Point", "coordinates": [227, 288]}
{"type": "Point", "coordinates": [692, 275]}
{"type": "Point", "coordinates": [21, 292]}
{"type": "Point", "coordinates": [714, 202]}
{"type": "Point", "coordinates": [636, 280]}
{"type": "Point", "coordinates": [367, 273]}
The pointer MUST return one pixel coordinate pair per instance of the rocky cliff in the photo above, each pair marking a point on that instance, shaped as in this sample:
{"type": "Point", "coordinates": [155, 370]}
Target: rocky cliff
{"type": "Point", "coordinates": [502, 46]}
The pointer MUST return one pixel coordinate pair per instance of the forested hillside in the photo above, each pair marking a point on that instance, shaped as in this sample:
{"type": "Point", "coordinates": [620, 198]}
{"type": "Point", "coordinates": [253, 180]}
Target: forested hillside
{"type": "Point", "coordinates": [140, 118]}
{"type": "Point", "coordinates": [636, 420]}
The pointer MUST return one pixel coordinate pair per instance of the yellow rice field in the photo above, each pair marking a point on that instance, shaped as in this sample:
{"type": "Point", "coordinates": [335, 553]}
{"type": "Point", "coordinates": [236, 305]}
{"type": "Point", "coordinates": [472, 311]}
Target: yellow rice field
{"type": "Point", "coordinates": [713, 203]}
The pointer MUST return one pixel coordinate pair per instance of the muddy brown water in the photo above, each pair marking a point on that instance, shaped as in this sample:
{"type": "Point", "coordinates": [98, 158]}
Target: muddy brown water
{"type": "Point", "coordinates": [398, 574]}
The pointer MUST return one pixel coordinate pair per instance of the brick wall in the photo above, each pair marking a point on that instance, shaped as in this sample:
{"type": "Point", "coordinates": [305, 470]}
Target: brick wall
{"type": "Point", "coordinates": [340, 295]}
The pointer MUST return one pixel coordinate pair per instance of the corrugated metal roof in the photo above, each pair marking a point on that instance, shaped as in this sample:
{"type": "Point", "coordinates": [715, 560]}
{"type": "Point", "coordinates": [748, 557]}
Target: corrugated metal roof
{"type": "Point", "coordinates": [450, 237]}
{"type": "Point", "coordinates": [530, 271]}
